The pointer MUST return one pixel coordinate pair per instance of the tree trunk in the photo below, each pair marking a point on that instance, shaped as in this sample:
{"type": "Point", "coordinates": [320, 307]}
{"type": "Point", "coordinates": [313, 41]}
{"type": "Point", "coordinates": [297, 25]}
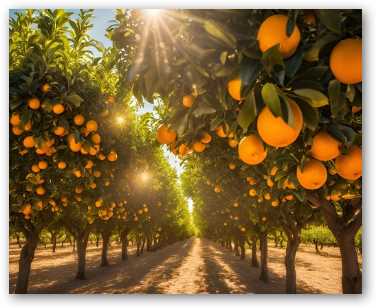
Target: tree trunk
{"type": "Point", "coordinates": [264, 276]}
{"type": "Point", "coordinates": [293, 242]}
{"type": "Point", "coordinates": [97, 240]}
{"type": "Point", "coordinates": [81, 241]}
{"type": "Point", "coordinates": [142, 246]}
{"type": "Point", "coordinates": [351, 274]}
{"type": "Point", "coordinates": [124, 245]}
{"type": "Point", "coordinates": [18, 240]}
{"type": "Point", "coordinates": [254, 260]}
{"type": "Point", "coordinates": [242, 250]}
{"type": "Point", "coordinates": [105, 240]}
{"type": "Point", "coordinates": [53, 241]}
{"type": "Point", "coordinates": [24, 264]}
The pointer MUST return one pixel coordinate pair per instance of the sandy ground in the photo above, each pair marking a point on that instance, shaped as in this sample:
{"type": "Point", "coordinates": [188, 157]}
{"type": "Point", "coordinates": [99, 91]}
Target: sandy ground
{"type": "Point", "coordinates": [190, 267]}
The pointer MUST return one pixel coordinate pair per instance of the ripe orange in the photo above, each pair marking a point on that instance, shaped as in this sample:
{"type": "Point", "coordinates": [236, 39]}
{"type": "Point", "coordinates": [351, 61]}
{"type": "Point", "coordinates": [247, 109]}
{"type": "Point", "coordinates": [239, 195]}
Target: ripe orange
{"type": "Point", "coordinates": [89, 164]}
{"type": "Point", "coordinates": [232, 143]}
{"type": "Point", "coordinates": [45, 88]}
{"type": "Point", "coordinates": [325, 147]}
{"type": "Point", "coordinates": [35, 168]}
{"type": "Point", "coordinates": [206, 138]}
{"type": "Point", "coordinates": [313, 176]}
{"type": "Point", "coordinates": [92, 185]}
{"type": "Point", "coordinates": [349, 166]}
{"type": "Point", "coordinates": [91, 126]}
{"type": "Point", "coordinates": [252, 192]}
{"type": "Point", "coordinates": [346, 61]}
{"type": "Point", "coordinates": [27, 127]}
{"type": "Point", "coordinates": [15, 119]}
{"type": "Point", "coordinates": [112, 156]}
{"type": "Point", "coordinates": [251, 150]}
{"type": "Point", "coordinates": [198, 147]}
{"type": "Point", "coordinates": [356, 109]}
{"type": "Point", "coordinates": [165, 135]}
{"type": "Point", "coordinates": [33, 103]}
{"type": "Point", "coordinates": [42, 164]}
{"type": "Point", "coordinates": [58, 108]}
{"type": "Point", "coordinates": [231, 166]}
{"type": "Point", "coordinates": [79, 119]}
{"type": "Point", "coordinates": [187, 101]}
{"type": "Point", "coordinates": [97, 173]}
{"type": "Point", "coordinates": [59, 131]}
{"type": "Point", "coordinates": [16, 130]}
{"type": "Point", "coordinates": [309, 19]}
{"type": "Point", "coordinates": [101, 156]}
{"type": "Point", "coordinates": [40, 190]}
{"type": "Point", "coordinates": [77, 173]}
{"type": "Point", "coordinates": [96, 138]}
{"type": "Point", "coordinates": [233, 88]}
{"type": "Point", "coordinates": [275, 131]}
{"type": "Point", "coordinates": [29, 142]}
{"type": "Point", "coordinates": [61, 165]}
{"type": "Point", "coordinates": [222, 130]}
{"type": "Point", "coordinates": [73, 144]}
{"type": "Point", "coordinates": [27, 210]}
{"type": "Point", "coordinates": [273, 31]}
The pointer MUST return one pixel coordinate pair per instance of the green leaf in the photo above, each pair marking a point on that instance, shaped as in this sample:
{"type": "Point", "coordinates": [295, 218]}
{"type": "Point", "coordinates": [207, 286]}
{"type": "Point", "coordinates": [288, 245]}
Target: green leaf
{"type": "Point", "coordinates": [248, 112]}
{"type": "Point", "coordinates": [332, 19]}
{"type": "Point", "coordinates": [223, 57]}
{"type": "Point", "coordinates": [220, 33]}
{"type": "Point", "coordinates": [271, 99]}
{"type": "Point", "coordinates": [314, 52]}
{"type": "Point", "coordinates": [315, 98]}
{"type": "Point", "coordinates": [272, 61]}
{"type": "Point", "coordinates": [311, 115]}
{"type": "Point", "coordinates": [75, 99]}
{"type": "Point", "coordinates": [203, 108]}
{"type": "Point", "coordinates": [338, 104]}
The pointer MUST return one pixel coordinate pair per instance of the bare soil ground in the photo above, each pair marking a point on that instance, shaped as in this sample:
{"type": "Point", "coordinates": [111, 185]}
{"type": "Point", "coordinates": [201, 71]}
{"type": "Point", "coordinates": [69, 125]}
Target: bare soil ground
{"type": "Point", "coordinates": [189, 267]}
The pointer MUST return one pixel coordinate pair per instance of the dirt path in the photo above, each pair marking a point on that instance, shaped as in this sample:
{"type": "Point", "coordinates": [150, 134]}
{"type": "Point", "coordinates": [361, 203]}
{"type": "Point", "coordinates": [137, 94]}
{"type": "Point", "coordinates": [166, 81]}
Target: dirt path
{"type": "Point", "coordinates": [190, 267]}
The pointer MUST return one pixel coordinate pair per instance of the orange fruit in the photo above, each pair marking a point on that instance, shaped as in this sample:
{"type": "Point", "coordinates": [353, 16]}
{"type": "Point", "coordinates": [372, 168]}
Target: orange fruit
{"type": "Point", "coordinates": [349, 166]}
{"type": "Point", "coordinates": [112, 156]}
{"type": "Point", "coordinates": [27, 210]}
{"type": "Point", "coordinates": [272, 31]}
{"type": "Point", "coordinates": [309, 19]}
{"type": "Point", "coordinates": [274, 171]}
{"type": "Point", "coordinates": [77, 173]}
{"type": "Point", "coordinates": [346, 61]}
{"type": "Point", "coordinates": [40, 190]}
{"type": "Point", "coordinates": [29, 142]}
{"type": "Point", "coordinates": [93, 150]}
{"type": "Point", "coordinates": [165, 135]}
{"type": "Point", "coordinates": [61, 165]}
{"type": "Point", "coordinates": [27, 126]}
{"type": "Point", "coordinates": [275, 131]}
{"type": "Point", "coordinates": [356, 109]}
{"type": "Point", "coordinates": [92, 185]}
{"type": "Point", "coordinates": [97, 173]}
{"type": "Point", "coordinates": [73, 144]}
{"type": "Point", "coordinates": [79, 119]}
{"type": "Point", "coordinates": [198, 147]}
{"type": "Point", "coordinates": [232, 143]}
{"type": "Point", "coordinates": [313, 176]}
{"type": "Point", "coordinates": [96, 138]}
{"type": "Point", "coordinates": [42, 164]}
{"type": "Point", "coordinates": [89, 164]}
{"type": "Point", "coordinates": [59, 131]}
{"type": "Point", "coordinates": [325, 147]}
{"type": "Point", "coordinates": [58, 108]}
{"type": "Point", "coordinates": [78, 189]}
{"type": "Point", "coordinates": [101, 156]}
{"type": "Point", "coordinates": [222, 130]}
{"type": "Point", "coordinates": [35, 168]}
{"type": "Point", "coordinates": [16, 130]}
{"type": "Point", "coordinates": [91, 126]}
{"type": "Point", "coordinates": [206, 138]}
{"type": "Point", "coordinates": [233, 88]}
{"type": "Point", "coordinates": [45, 88]}
{"type": "Point", "coordinates": [251, 150]}
{"type": "Point", "coordinates": [231, 166]}
{"type": "Point", "coordinates": [15, 119]}
{"type": "Point", "coordinates": [33, 103]}
{"type": "Point", "coordinates": [187, 101]}
{"type": "Point", "coordinates": [252, 192]}
{"type": "Point", "coordinates": [183, 150]}
{"type": "Point", "coordinates": [217, 188]}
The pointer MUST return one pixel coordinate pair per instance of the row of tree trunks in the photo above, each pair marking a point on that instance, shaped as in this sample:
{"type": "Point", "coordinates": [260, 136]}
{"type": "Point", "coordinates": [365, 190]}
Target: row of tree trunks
{"type": "Point", "coordinates": [264, 275]}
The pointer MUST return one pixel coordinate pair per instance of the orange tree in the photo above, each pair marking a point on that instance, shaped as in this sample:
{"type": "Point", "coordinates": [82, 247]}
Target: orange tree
{"type": "Point", "coordinates": [55, 147]}
{"type": "Point", "coordinates": [281, 83]}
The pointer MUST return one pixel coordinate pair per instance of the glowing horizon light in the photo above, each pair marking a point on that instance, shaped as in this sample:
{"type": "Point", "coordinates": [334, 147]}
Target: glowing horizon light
{"type": "Point", "coordinates": [145, 176]}
{"type": "Point", "coordinates": [190, 205]}
{"type": "Point", "coordinates": [120, 120]}
{"type": "Point", "coordinates": [152, 12]}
